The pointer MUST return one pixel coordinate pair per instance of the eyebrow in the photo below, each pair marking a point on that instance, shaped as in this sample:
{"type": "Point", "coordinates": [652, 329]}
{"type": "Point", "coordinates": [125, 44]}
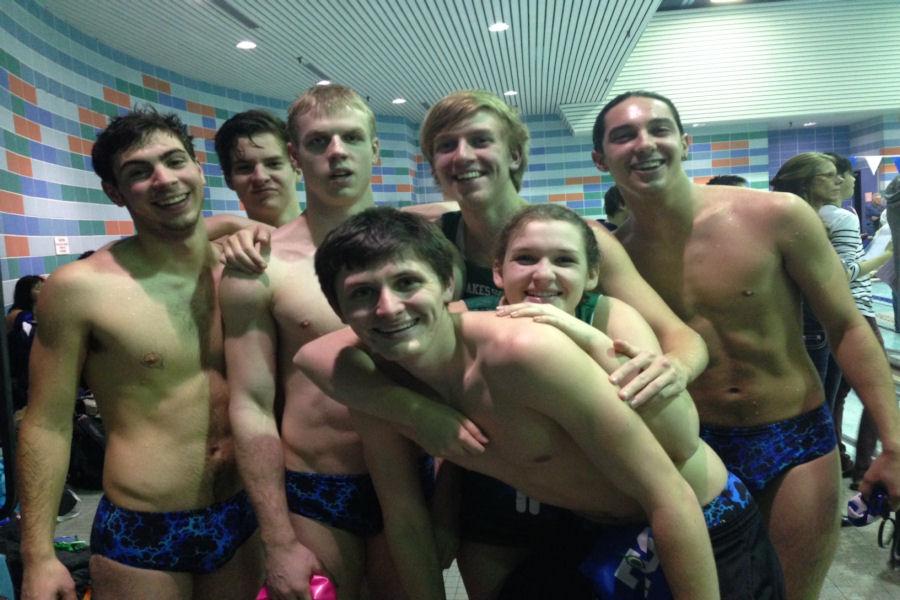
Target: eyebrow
{"type": "Point", "coordinates": [657, 121]}
{"type": "Point", "coordinates": [329, 133]}
{"type": "Point", "coordinates": [163, 157]}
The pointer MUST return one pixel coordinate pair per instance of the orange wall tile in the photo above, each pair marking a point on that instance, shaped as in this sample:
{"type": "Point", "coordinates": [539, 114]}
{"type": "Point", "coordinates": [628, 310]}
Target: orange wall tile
{"type": "Point", "coordinates": [891, 150]}
{"type": "Point", "coordinates": [11, 203]}
{"type": "Point", "coordinates": [203, 109]}
{"type": "Point", "coordinates": [377, 179]}
{"type": "Point", "coordinates": [740, 144]}
{"type": "Point", "coordinates": [557, 198]}
{"type": "Point", "coordinates": [27, 128]}
{"type": "Point", "coordinates": [16, 245]}
{"type": "Point", "coordinates": [721, 162]}
{"type": "Point", "coordinates": [22, 89]}
{"type": "Point", "coordinates": [116, 97]}
{"type": "Point", "coordinates": [157, 84]}
{"type": "Point", "coordinates": [740, 162]}
{"type": "Point", "coordinates": [404, 187]}
{"type": "Point", "coordinates": [202, 132]}
{"type": "Point", "coordinates": [18, 164]}
{"type": "Point", "coordinates": [721, 146]}
{"type": "Point", "coordinates": [89, 117]}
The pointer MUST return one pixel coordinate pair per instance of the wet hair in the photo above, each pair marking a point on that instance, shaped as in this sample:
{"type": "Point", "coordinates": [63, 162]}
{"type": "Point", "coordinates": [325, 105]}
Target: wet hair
{"type": "Point", "coordinates": [328, 100]}
{"type": "Point", "coordinates": [600, 122]}
{"type": "Point", "coordinates": [613, 201]}
{"type": "Point", "coordinates": [379, 235]}
{"type": "Point", "coordinates": [459, 106]}
{"type": "Point", "coordinates": [131, 130]}
{"type": "Point", "coordinates": [842, 164]}
{"type": "Point", "coordinates": [246, 125]}
{"type": "Point", "coordinates": [548, 212]}
{"type": "Point", "coordinates": [733, 180]}
{"type": "Point", "coordinates": [797, 173]}
{"type": "Point", "coordinates": [22, 299]}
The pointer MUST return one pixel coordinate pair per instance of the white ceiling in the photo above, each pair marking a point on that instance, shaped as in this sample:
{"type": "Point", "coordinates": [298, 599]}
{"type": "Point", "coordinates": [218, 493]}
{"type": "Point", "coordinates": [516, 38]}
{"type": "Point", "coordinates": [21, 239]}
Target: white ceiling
{"type": "Point", "coordinates": [555, 52]}
{"type": "Point", "coordinates": [562, 56]}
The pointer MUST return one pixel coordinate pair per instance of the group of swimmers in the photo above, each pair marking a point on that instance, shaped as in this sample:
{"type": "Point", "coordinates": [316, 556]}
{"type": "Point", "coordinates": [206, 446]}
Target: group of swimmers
{"type": "Point", "coordinates": [574, 462]}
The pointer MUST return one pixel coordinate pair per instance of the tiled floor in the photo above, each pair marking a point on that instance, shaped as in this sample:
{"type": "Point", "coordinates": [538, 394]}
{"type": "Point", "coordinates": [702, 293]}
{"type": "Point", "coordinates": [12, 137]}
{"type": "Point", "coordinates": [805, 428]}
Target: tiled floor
{"type": "Point", "coordinates": [860, 570]}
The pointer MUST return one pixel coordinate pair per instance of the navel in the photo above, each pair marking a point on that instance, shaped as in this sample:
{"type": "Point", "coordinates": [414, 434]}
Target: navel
{"type": "Point", "coordinates": [304, 323]}
{"type": "Point", "coordinates": [747, 293]}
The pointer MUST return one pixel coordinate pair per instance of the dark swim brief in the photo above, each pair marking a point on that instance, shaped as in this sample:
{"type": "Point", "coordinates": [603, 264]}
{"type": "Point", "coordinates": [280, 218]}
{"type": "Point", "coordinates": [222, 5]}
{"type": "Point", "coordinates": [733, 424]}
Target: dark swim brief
{"type": "Point", "coordinates": [192, 541]}
{"type": "Point", "coordinates": [493, 512]}
{"type": "Point", "coordinates": [345, 502]}
{"type": "Point", "coordinates": [624, 564]}
{"type": "Point", "coordinates": [761, 453]}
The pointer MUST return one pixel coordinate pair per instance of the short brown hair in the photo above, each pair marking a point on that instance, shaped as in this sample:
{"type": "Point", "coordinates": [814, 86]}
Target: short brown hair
{"type": "Point", "coordinates": [462, 105]}
{"type": "Point", "coordinates": [328, 99]}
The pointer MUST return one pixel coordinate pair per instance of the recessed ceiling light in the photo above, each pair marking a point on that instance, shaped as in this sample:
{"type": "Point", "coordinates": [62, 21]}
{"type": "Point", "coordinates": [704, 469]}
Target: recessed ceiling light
{"type": "Point", "coordinates": [398, 101]}
{"type": "Point", "coordinates": [809, 124]}
{"type": "Point", "coordinates": [510, 93]}
{"type": "Point", "coordinates": [246, 45]}
{"type": "Point", "coordinates": [498, 27]}
{"type": "Point", "coordinates": [323, 82]}
{"type": "Point", "coordinates": [698, 125]}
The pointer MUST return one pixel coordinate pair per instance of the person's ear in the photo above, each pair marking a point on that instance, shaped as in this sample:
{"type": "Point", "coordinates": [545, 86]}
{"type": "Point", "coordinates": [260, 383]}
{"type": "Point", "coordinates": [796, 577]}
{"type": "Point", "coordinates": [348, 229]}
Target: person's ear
{"type": "Point", "coordinates": [597, 157]}
{"type": "Point", "coordinates": [113, 193]}
{"type": "Point", "coordinates": [498, 275]}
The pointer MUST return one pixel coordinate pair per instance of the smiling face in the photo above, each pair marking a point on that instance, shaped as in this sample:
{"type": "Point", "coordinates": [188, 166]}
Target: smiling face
{"type": "Point", "coordinates": [546, 262]}
{"type": "Point", "coordinates": [642, 147]}
{"type": "Point", "coordinates": [264, 179]}
{"type": "Point", "coordinates": [472, 161]}
{"type": "Point", "coordinates": [335, 152]}
{"type": "Point", "coordinates": [395, 307]}
{"type": "Point", "coordinates": [160, 185]}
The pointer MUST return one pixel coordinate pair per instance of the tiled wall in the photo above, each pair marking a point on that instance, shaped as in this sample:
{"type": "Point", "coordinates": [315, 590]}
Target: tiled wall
{"type": "Point", "coordinates": [58, 86]}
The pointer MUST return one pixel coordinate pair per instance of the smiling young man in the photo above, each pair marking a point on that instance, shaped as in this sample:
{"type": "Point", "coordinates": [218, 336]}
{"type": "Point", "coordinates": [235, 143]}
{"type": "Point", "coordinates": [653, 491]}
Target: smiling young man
{"type": "Point", "coordinates": [253, 151]}
{"type": "Point", "coordinates": [307, 479]}
{"type": "Point", "coordinates": [558, 430]}
{"type": "Point", "coordinates": [140, 320]}
{"type": "Point", "coordinates": [734, 264]}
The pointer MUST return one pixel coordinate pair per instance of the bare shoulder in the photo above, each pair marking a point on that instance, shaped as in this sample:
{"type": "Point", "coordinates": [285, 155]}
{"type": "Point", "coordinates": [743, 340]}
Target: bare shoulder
{"type": "Point", "coordinates": [512, 342]}
{"type": "Point", "coordinates": [432, 211]}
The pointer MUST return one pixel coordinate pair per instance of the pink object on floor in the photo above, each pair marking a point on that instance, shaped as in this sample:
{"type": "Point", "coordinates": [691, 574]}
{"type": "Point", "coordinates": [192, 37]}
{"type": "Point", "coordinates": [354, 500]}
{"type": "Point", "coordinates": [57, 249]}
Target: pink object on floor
{"type": "Point", "coordinates": [320, 588]}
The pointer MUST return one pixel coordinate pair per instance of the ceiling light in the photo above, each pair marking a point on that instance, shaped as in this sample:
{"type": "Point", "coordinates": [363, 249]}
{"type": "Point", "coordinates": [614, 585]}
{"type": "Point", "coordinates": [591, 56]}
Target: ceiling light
{"type": "Point", "coordinates": [510, 93]}
{"type": "Point", "coordinates": [398, 101]}
{"type": "Point", "coordinates": [498, 27]}
{"type": "Point", "coordinates": [724, 1]}
{"type": "Point", "coordinates": [246, 45]}
{"type": "Point", "coordinates": [698, 124]}
{"type": "Point", "coordinates": [809, 124]}
{"type": "Point", "coordinates": [323, 82]}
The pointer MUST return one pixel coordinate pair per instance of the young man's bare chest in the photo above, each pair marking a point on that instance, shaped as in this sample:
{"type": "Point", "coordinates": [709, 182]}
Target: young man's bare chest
{"type": "Point", "coordinates": [161, 326]}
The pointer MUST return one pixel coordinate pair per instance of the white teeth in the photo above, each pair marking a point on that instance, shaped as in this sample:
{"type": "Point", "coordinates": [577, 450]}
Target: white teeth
{"type": "Point", "coordinates": [173, 201]}
{"type": "Point", "coordinates": [648, 164]}
{"type": "Point", "coordinates": [396, 328]}
{"type": "Point", "coordinates": [468, 175]}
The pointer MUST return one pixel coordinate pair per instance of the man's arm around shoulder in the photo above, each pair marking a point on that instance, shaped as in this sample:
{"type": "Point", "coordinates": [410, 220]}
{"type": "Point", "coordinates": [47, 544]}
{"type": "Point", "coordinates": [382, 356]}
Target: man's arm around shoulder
{"type": "Point", "coordinates": [546, 371]}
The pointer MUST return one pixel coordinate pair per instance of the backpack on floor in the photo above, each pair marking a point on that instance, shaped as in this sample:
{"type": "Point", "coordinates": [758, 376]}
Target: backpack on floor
{"type": "Point", "coordinates": [88, 449]}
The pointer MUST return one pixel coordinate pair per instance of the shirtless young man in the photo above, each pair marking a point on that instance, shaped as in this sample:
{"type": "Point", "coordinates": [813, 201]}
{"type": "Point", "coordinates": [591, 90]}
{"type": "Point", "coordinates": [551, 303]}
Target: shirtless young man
{"type": "Point", "coordinates": [253, 151]}
{"type": "Point", "coordinates": [734, 264]}
{"type": "Point", "coordinates": [558, 430]}
{"type": "Point", "coordinates": [141, 321]}
{"type": "Point", "coordinates": [309, 483]}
